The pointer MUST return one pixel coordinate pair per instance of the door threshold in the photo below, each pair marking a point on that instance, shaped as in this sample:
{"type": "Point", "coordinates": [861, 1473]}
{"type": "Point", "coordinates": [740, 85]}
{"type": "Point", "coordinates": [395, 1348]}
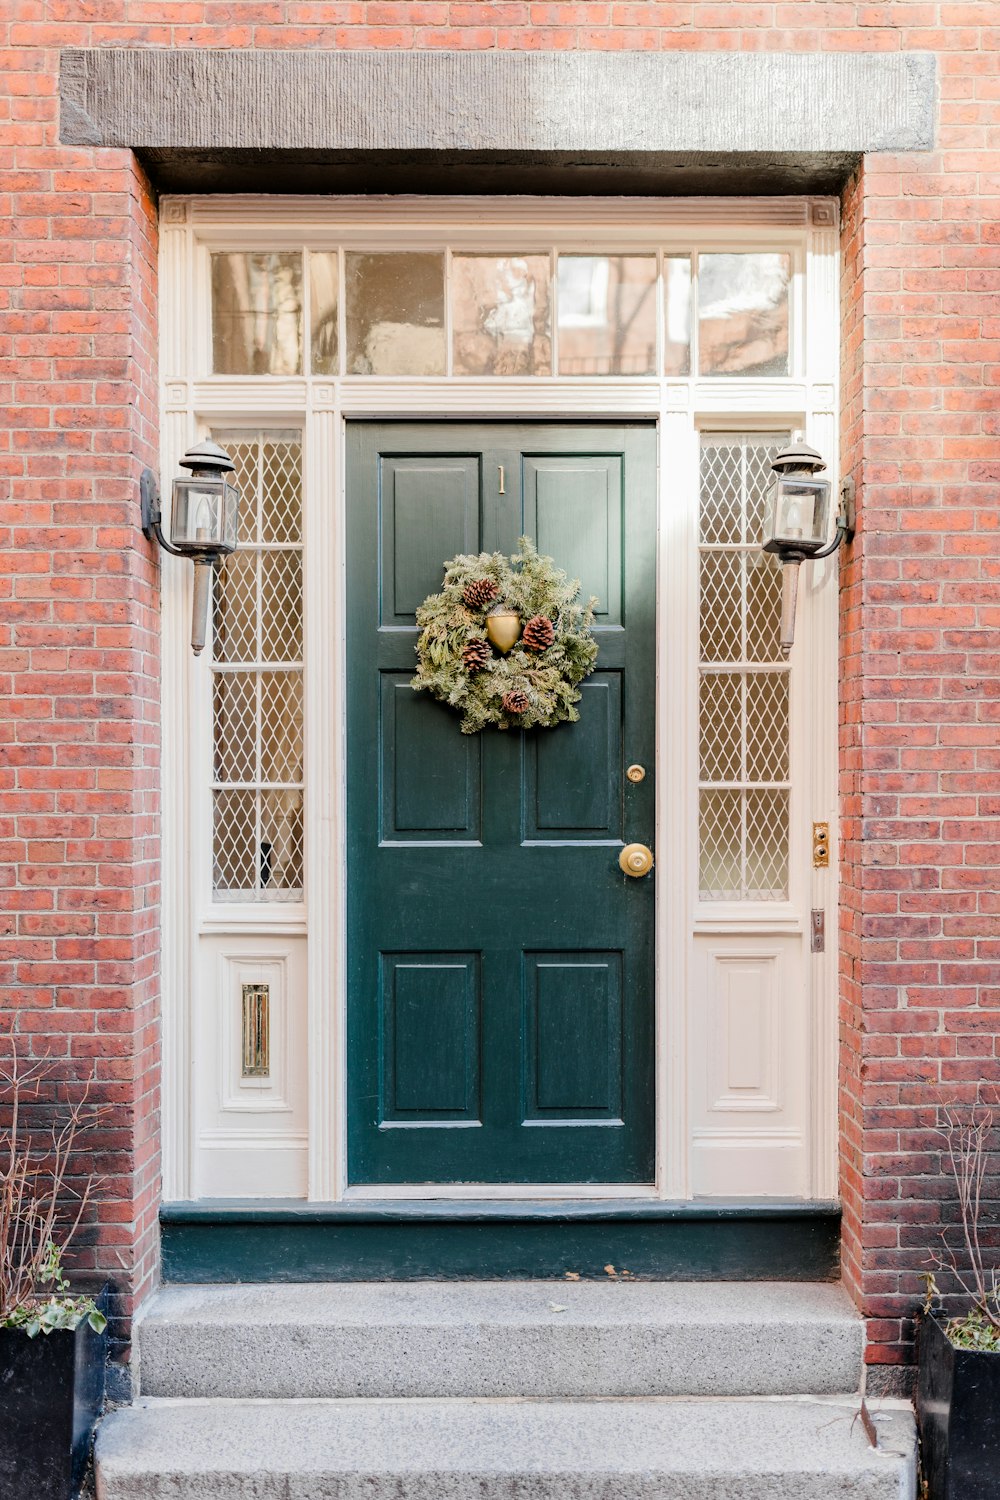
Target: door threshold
{"type": "Point", "coordinates": [477, 1192]}
{"type": "Point", "coordinates": [380, 1239]}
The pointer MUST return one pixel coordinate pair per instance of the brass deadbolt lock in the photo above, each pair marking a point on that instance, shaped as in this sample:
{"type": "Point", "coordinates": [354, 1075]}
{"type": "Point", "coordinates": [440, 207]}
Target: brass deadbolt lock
{"type": "Point", "coordinates": [636, 773]}
{"type": "Point", "coordinates": [636, 860]}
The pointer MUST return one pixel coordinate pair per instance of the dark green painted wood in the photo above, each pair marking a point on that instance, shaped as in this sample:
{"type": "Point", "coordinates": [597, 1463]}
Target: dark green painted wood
{"type": "Point", "coordinates": [520, 1048]}
{"type": "Point", "coordinates": [401, 1241]}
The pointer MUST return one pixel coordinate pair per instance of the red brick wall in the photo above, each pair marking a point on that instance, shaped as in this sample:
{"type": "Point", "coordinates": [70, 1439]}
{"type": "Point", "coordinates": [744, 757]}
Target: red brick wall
{"type": "Point", "coordinates": [79, 643]}
{"type": "Point", "coordinates": [920, 742]}
{"type": "Point", "coordinates": [921, 673]}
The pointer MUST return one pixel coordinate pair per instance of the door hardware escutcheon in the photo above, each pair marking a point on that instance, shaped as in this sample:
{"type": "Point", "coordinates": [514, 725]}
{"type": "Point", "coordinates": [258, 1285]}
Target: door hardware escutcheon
{"type": "Point", "coordinates": [636, 773]}
{"type": "Point", "coordinates": [817, 930]}
{"type": "Point", "coordinates": [636, 860]}
{"type": "Point", "coordinates": [821, 846]}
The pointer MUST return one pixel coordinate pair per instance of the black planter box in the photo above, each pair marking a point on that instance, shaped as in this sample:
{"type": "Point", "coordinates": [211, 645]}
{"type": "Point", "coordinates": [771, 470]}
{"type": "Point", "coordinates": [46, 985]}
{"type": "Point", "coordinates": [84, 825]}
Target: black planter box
{"type": "Point", "coordinates": [51, 1393]}
{"type": "Point", "coordinates": [958, 1412]}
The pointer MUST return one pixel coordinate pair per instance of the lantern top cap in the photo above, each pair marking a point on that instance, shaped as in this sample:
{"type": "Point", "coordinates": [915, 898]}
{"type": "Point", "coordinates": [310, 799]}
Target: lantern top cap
{"type": "Point", "coordinates": [798, 456]}
{"type": "Point", "coordinates": [208, 456]}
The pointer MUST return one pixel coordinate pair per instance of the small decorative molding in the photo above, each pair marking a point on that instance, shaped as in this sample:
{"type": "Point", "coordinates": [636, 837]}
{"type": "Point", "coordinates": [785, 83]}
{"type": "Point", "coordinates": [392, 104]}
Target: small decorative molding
{"type": "Point", "coordinates": [177, 394]}
{"type": "Point", "coordinates": [823, 397]}
{"type": "Point", "coordinates": [823, 214]}
{"type": "Point", "coordinates": [323, 395]}
{"type": "Point", "coordinates": [173, 211]}
{"type": "Point", "coordinates": [677, 397]}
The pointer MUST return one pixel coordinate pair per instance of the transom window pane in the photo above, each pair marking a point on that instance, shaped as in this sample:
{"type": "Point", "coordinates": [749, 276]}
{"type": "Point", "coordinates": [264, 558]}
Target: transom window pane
{"type": "Point", "coordinates": [324, 296]}
{"type": "Point", "coordinates": [744, 689]}
{"type": "Point", "coordinates": [743, 314]}
{"type": "Point", "coordinates": [395, 314]}
{"type": "Point", "coordinates": [607, 314]}
{"type": "Point", "coordinates": [257, 312]}
{"type": "Point", "coordinates": [257, 772]}
{"type": "Point", "coordinates": [501, 317]}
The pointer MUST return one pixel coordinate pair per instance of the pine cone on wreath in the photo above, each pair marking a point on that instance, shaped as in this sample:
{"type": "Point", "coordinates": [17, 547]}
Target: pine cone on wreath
{"type": "Point", "coordinates": [515, 702]}
{"type": "Point", "coordinates": [539, 633]}
{"type": "Point", "coordinates": [476, 654]}
{"type": "Point", "coordinates": [479, 593]}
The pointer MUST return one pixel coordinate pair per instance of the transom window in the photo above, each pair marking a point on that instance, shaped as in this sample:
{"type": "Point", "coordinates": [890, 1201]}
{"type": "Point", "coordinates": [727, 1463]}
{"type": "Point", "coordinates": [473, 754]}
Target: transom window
{"type": "Point", "coordinates": [539, 312]}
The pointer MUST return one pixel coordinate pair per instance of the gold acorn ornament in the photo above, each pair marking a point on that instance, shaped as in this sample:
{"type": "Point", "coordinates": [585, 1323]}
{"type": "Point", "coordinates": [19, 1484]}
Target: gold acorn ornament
{"type": "Point", "coordinates": [479, 593]}
{"type": "Point", "coordinates": [539, 633]}
{"type": "Point", "coordinates": [476, 654]}
{"type": "Point", "coordinates": [515, 702]}
{"type": "Point", "coordinates": [503, 626]}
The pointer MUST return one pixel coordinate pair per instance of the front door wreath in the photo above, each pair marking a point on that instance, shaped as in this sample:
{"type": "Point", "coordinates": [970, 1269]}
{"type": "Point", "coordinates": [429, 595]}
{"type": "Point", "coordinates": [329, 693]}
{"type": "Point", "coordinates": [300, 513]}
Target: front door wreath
{"type": "Point", "coordinates": [506, 641]}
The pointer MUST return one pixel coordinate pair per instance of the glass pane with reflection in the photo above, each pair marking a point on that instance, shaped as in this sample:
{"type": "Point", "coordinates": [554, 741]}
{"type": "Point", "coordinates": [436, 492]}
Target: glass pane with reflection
{"type": "Point", "coordinates": [324, 295]}
{"type": "Point", "coordinates": [395, 314]}
{"type": "Point", "coordinates": [257, 312]}
{"type": "Point", "coordinates": [607, 314]}
{"type": "Point", "coordinates": [501, 320]}
{"type": "Point", "coordinates": [677, 314]}
{"type": "Point", "coordinates": [743, 314]}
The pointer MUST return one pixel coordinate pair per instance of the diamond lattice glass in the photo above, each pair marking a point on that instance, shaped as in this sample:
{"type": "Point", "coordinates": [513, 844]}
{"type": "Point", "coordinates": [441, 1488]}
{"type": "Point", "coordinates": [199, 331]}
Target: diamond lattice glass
{"type": "Point", "coordinates": [744, 693]}
{"type": "Point", "coordinates": [257, 670]}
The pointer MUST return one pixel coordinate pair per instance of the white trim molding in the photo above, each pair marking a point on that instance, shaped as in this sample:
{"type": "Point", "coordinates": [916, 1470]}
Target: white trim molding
{"type": "Point", "coordinates": [700, 1150]}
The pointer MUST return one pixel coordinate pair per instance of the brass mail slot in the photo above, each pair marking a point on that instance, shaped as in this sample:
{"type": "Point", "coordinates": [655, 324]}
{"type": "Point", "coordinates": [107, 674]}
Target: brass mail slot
{"type": "Point", "coordinates": [256, 1031]}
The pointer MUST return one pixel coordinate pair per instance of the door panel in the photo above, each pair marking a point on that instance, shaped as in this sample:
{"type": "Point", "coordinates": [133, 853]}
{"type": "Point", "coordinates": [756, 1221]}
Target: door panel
{"type": "Point", "coordinates": [500, 992]}
{"type": "Point", "coordinates": [431, 778]}
{"type": "Point", "coordinates": [573, 784]}
{"type": "Point", "coordinates": [430, 511]}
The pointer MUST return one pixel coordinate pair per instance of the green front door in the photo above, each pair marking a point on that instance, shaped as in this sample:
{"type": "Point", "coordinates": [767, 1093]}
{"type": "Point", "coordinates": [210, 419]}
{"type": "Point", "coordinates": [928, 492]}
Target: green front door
{"type": "Point", "coordinates": [500, 965]}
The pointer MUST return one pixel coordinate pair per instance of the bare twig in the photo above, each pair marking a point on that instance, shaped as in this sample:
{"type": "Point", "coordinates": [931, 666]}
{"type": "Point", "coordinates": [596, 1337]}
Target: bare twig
{"type": "Point", "coordinates": [40, 1207]}
{"type": "Point", "coordinates": [967, 1148]}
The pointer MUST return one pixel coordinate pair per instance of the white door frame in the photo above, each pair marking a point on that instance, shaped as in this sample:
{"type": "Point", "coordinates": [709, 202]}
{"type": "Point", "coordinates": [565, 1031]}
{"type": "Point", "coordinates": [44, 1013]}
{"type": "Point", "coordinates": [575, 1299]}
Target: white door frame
{"type": "Point", "coordinates": [193, 400]}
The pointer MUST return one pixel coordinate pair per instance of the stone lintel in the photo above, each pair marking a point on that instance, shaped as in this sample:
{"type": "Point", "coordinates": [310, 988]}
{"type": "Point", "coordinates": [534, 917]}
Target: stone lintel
{"type": "Point", "coordinates": [672, 121]}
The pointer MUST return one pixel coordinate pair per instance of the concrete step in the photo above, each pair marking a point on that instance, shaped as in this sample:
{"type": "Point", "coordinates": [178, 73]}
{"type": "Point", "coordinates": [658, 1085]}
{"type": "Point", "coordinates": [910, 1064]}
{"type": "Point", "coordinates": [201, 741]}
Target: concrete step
{"type": "Point", "coordinates": [534, 1338]}
{"type": "Point", "coordinates": [758, 1449]}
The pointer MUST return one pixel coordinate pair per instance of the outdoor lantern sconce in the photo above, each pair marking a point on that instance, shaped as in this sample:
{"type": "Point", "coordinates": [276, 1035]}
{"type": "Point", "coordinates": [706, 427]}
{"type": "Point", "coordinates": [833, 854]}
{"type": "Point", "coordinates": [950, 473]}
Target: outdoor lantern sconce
{"type": "Point", "coordinates": [797, 521]}
{"type": "Point", "coordinates": [204, 517]}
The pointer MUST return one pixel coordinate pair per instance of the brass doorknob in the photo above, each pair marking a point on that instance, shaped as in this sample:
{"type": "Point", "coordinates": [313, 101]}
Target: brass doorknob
{"type": "Point", "coordinates": [636, 860]}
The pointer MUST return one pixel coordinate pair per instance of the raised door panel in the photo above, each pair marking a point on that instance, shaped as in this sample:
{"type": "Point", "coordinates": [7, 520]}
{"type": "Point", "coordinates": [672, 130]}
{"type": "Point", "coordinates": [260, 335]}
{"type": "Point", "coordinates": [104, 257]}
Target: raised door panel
{"type": "Point", "coordinates": [574, 511]}
{"type": "Point", "coordinates": [429, 775]}
{"type": "Point", "coordinates": [430, 1038]}
{"type": "Point", "coordinates": [429, 511]}
{"type": "Point", "coordinates": [572, 1037]}
{"type": "Point", "coordinates": [573, 777]}
{"type": "Point", "coordinates": [749, 1097]}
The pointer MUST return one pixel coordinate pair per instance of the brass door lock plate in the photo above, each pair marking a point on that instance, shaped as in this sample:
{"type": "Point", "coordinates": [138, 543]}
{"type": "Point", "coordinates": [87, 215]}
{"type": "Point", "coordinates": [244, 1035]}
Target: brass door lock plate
{"type": "Point", "coordinates": [821, 846]}
{"type": "Point", "coordinates": [636, 773]}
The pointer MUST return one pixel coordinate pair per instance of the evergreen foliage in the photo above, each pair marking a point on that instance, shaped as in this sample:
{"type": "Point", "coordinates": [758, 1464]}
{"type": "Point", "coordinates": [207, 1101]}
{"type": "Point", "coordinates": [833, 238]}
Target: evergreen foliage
{"type": "Point", "coordinates": [530, 584]}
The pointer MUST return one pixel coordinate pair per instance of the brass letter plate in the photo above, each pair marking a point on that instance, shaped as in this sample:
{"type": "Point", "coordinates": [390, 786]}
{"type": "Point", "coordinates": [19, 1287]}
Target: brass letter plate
{"type": "Point", "coordinates": [256, 1031]}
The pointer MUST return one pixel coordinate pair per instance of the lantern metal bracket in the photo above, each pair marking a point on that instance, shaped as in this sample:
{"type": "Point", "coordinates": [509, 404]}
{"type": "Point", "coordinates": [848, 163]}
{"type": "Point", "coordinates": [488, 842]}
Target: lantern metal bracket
{"type": "Point", "coordinates": [845, 522]}
{"type": "Point", "coordinates": [151, 515]}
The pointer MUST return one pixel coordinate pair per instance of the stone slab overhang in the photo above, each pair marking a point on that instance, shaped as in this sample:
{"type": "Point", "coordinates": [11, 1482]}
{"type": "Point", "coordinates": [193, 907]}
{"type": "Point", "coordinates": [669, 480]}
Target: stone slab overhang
{"type": "Point", "coordinates": [539, 122]}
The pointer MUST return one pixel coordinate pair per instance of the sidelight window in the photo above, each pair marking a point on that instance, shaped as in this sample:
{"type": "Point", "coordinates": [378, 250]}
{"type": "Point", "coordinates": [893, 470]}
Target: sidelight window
{"type": "Point", "coordinates": [744, 683]}
{"type": "Point", "coordinates": [257, 774]}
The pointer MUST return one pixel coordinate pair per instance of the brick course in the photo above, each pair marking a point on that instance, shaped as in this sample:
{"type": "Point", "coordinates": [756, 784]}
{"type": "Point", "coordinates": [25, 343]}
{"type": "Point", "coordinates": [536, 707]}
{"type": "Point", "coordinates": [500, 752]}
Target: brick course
{"type": "Point", "coordinates": [920, 685]}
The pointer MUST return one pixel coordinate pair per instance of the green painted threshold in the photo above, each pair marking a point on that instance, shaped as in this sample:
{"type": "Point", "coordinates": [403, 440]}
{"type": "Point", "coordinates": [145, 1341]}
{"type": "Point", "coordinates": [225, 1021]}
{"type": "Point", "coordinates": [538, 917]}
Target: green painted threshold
{"type": "Point", "coordinates": [416, 1240]}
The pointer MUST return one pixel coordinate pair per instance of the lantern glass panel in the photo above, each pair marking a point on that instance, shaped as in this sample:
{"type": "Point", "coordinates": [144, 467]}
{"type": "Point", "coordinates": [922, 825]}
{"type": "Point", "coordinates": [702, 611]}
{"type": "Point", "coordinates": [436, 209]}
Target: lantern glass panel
{"type": "Point", "coordinates": [798, 513]}
{"type": "Point", "coordinates": [204, 515]}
